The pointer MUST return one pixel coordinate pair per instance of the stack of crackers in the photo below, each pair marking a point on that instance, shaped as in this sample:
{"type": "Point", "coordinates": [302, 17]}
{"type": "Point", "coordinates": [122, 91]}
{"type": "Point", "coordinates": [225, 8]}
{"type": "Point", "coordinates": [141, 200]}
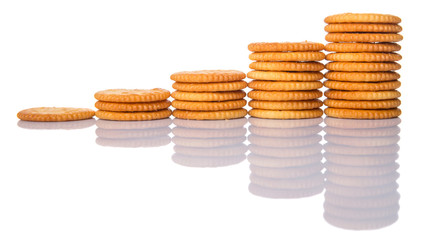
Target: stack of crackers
{"type": "Point", "coordinates": [286, 78]}
{"type": "Point", "coordinates": [133, 104]}
{"type": "Point", "coordinates": [209, 143]}
{"type": "Point", "coordinates": [361, 77]}
{"type": "Point", "coordinates": [361, 173]}
{"type": "Point", "coordinates": [285, 158]}
{"type": "Point", "coordinates": [209, 94]}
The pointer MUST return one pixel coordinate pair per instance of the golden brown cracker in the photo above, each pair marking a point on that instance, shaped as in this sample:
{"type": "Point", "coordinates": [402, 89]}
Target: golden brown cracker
{"type": "Point", "coordinates": [362, 47]}
{"type": "Point", "coordinates": [363, 27]}
{"type": "Point", "coordinates": [132, 95]}
{"type": "Point", "coordinates": [360, 86]}
{"type": "Point", "coordinates": [363, 66]}
{"type": "Point", "coordinates": [284, 95]}
{"type": "Point", "coordinates": [207, 76]}
{"type": "Point", "coordinates": [378, 104]}
{"type": "Point", "coordinates": [133, 116]}
{"type": "Point", "coordinates": [363, 37]}
{"type": "Point", "coordinates": [207, 115]}
{"type": "Point", "coordinates": [287, 66]}
{"type": "Point", "coordinates": [287, 56]}
{"type": "Point", "coordinates": [285, 76]}
{"type": "Point", "coordinates": [362, 76]}
{"type": "Point", "coordinates": [210, 87]}
{"type": "Point", "coordinates": [362, 18]}
{"type": "Point", "coordinates": [284, 86]}
{"type": "Point", "coordinates": [362, 114]}
{"type": "Point", "coordinates": [132, 107]}
{"type": "Point", "coordinates": [55, 114]}
{"type": "Point", "coordinates": [208, 106]}
{"type": "Point", "coordinates": [208, 96]}
{"type": "Point", "coordinates": [362, 95]}
{"type": "Point", "coordinates": [286, 105]}
{"type": "Point", "coordinates": [285, 46]}
{"type": "Point", "coordinates": [287, 114]}
{"type": "Point", "coordinates": [363, 57]}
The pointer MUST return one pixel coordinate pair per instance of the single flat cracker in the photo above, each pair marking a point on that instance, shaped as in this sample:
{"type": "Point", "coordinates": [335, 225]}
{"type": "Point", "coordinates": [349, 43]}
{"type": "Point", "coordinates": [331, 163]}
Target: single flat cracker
{"type": "Point", "coordinates": [362, 86]}
{"type": "Point", "coordinates": [363, 57]}
{"type": "Point", "coordinates": [362, 76]}
{"type": "Point", "coordinates": [362, 47]}
{"type": "Point", "coordinates": [378, 104]}
{"type": "Point", "coordinates": [55, 114]}
{"type": "Point", "coordinates": [285, 76]}
{"type": "Point", "coordinates": [132, 107]}
{"type": "Point", "coordinates": [284, 95]}
{"type": "Point", "coordinates": [207, 76]}
{"type": "Point", "coordinates": [287, 66]}
{"type": "Point", "coordinates": [362, 95]}
{"type": "Point", "coordinates": [287, 56]}
{"type": "Point", "coordinates": [207, 115]}
{"type": "Point", "coordinates": [362, 114]}
{"type": "Point", "coordinates": [208, 96]}
{"type": "Point", "coordinates": [210, 87]}
{"type": "Point", "coordinates": [285, 105]}
{"type": "Point", "coordinates": [133, 116]}
{"type": "Point", "coordinates": [285, 46]}
{"type": "Point", "coordinates": [362, 18]}
{"type": "Point", "coordinates": [363, 66]}
{"type": "Point", "coordinates": [284, 86]}
{"type": "Point", "coordinates": [287, 114]}
{"type": "Point", "coordinates": [208, 106]}
{"type": "Point", "coordinates": [132, 95]}
{"type": "Point", "coordinates": [363, 27]}
{"type": "Point", "coordinates": [363, 37]}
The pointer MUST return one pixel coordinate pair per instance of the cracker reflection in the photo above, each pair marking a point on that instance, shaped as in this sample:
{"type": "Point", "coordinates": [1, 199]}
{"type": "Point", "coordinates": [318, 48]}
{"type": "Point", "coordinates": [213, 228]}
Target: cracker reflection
{"type": "Point", "coordinates": [67, 125]}
{"type": "Point", "coordinates": [133, 134]}
{"type": "Point", "coordinates": [209, 143]}
{"type": "Point", "coordinates": [361, 173]}
{"type": "Point", "coordinates": [285, 158]}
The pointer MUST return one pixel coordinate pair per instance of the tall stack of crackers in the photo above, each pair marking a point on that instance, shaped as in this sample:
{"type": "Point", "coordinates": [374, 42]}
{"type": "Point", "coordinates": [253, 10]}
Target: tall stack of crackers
{"type": "Point", "coordinates": [209, 94]}
{"type": "Point", "coordinates": [361, 173]}
{"type": "Point", "coordinates": [286, 80]}
{"type": "Point", "coordinates": [133, 104]}
{"type": "Point", "coordinates": [362, 80]}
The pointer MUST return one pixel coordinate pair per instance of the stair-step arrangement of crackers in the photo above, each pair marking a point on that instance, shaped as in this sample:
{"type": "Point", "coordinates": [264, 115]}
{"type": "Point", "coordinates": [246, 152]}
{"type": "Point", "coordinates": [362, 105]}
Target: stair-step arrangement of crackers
{"type": "Point", "coordinates": [285, 81]}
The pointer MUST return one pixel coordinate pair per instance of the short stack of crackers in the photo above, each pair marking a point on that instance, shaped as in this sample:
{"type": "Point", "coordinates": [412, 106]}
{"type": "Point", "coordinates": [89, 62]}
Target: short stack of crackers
{"type": "Point", "coordinates": [286, 80]}
{"type": "Point", "coordinates": [133, 104]}
{"type": "Point", "coordinates": [361, 173]}
{"type": "Point", "coordinates": [209, 94]}
{"type": "Point", "coordinates": [362, 80]}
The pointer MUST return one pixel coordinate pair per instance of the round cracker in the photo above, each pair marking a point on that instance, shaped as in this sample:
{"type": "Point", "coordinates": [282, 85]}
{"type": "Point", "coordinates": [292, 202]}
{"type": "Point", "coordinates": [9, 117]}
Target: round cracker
{"type": "Point", "coordinates": [363, 57]}
{"type": "Point", "coordinates": [214, 115]}
{"type": "Point", "coordinates": [208, 96]}
{"type": "Point", "coordinates": [55, 114]}
{"type": "Point", "coordinates": [286, 105]}
{"type": "Point", "coordinates": [133, 116]}
{"type": "Point", "coordinates": [378, 104]}
{"type": "Point", "coordinates": [362, 18]}
{"type": "Point", "coordinates": [363, 37]}
{"type": "Point", "coordinates": [362, 95]}
{"type": "Point", "coordinates": [287, 56]}
{"type": "Point", "coordinates": [363, 66]}
{"type": "Point", "coordinates": [287, 66]}
{"type": "Point", "coordinates": [210, 87]}
{"type": "Point", "coordinates": [284, 95]}
{"type": "Point", "coordinates": [207, 76]}
{"type": "Point", "coordinates": [360, 86]}
{"type": "Point", "coordinates": [362, 114]}
{"type": "Point", "coordinates": [288, 114]}
{"type": "Point", "coordinates": [285, 76]}
{"type": "Point", "coordinates": [132, 95]}
{"type": "Point", "coordinates": [132, 107]}
{"type": "Point", "coordinates": [362, 76]}
{"type": "Point", "coordinates": [363, 27]}
{"type": "Point", "coordinates": [285, 46]}
{"type": "Point", "coordinates": [284, 86]}
{"type": "Point", "coordinates": [208, 106]}
{"type": "Point", "coordinates": [362, 47]}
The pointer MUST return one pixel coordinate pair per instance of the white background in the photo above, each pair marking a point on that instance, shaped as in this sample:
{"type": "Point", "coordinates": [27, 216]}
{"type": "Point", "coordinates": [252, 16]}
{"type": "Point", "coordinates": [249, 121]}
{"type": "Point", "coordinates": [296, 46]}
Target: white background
{"type": "Point", "coordinates": [61, 185]}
